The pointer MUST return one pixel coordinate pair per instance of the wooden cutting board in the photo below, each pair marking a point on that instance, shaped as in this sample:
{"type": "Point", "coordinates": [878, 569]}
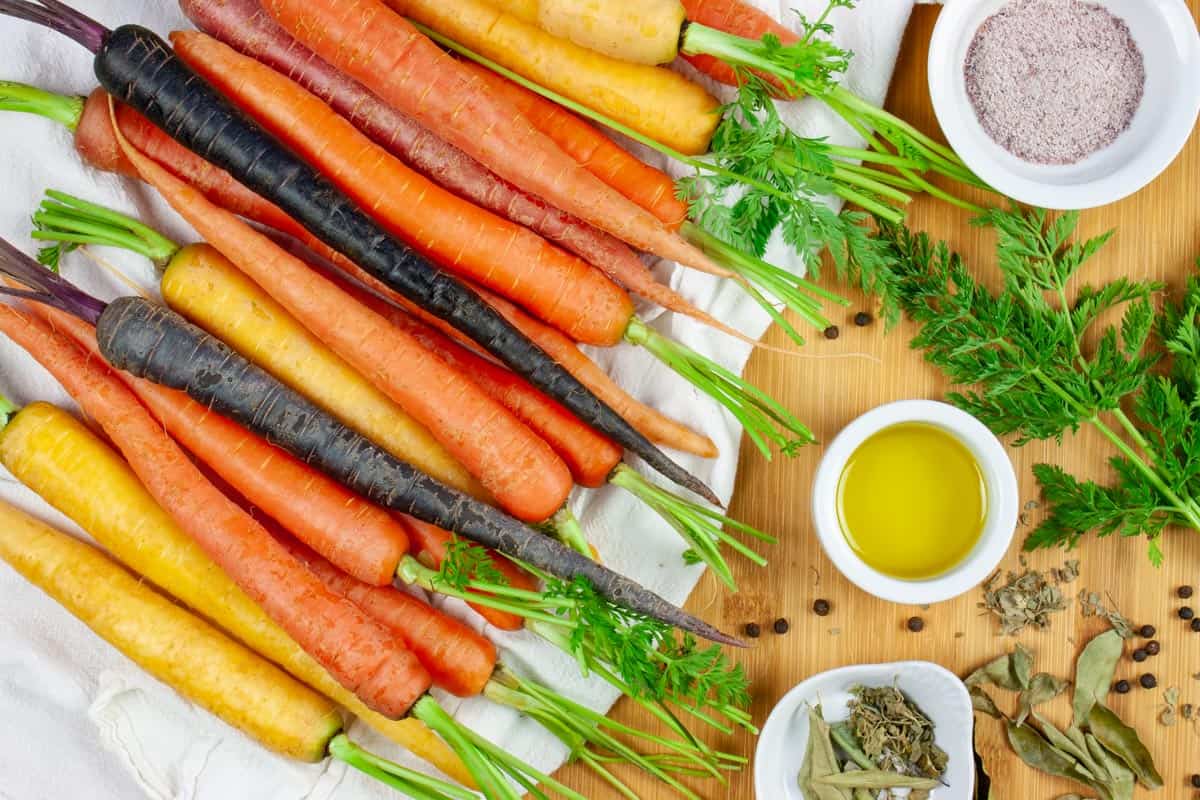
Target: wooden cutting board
{"type": "Point", "coordinates": [828, 384]}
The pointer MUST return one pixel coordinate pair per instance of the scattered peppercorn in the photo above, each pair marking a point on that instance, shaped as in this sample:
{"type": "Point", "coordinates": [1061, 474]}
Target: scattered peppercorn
{"type": "Point", "coordinates": [1184, 592]}
{"type": "Point", "coordinates": [1153, 648]}
{"type": "Point", "coordinates": [1148, 681]}
{"type": "Point", "coordinates": [822, 608]}
{"type": "Point", "coordinates": [1186, 612]}
{"type": "Point", "coordinates": [1196, 781]}
{"type": "Point", "coordinates": [753, 630]}
{"type": "Point", "coordinates": [781, 626]}
{"type": "Point", "coordinates": [862, 319]}
{"type": "Point", "coordinates": [1196, 624]}
{"type": "Point", "coordinates": [832, 332]}
{"type": "Point", "coordinates": [1140, 655]}
{"type": "Point", "coordinates": [916, 624]}
{"type": "Point", "coordinates": [1147, 632]}
{"type": "Point", "coordinates": [1121, 687]}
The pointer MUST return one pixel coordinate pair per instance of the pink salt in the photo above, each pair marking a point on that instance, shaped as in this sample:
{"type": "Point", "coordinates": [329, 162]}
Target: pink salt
{"type": "Point", "coordinates": [1053, 81]}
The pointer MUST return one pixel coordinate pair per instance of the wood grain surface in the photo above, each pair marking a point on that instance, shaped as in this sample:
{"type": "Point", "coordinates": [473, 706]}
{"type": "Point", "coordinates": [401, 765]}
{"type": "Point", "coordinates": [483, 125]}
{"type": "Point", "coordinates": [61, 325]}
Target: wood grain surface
{"type": "Point", "coordinates": [830, 383]}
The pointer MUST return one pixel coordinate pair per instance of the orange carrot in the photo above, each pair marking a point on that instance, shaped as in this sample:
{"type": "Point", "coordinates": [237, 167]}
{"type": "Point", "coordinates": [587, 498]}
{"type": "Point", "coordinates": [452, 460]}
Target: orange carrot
{"type": "Point", "coordinates": [459, 659]}
{"type": "Point", "coordinates": [590, 456]}
{"type": "Point", "coordinates": [361, 654]}
{"type": "Point", "coordinates": [381, 49]}
{"type": "Point", "coordinates": [650, 188]}
{"type": "Point", "coordinates": [517, 467]}
{"type": "Point", "coordinates": [361, 538]}
{"type": "Point", "coordinates": [739, 18]}
{"type": "Point", "coordinates": [430, 544]}
{"type": "Point", "coordinates": [560, 288]}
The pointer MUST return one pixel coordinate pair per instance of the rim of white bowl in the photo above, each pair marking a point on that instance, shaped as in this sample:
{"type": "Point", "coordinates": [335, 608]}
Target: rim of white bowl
{"type": "Point", "coordinates": [982, 155]}
{"type": "Point", "coordinates": [999, 525]}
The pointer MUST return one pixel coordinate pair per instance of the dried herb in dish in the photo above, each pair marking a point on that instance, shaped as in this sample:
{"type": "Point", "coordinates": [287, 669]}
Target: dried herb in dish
{"type": "Point", "coordinates": [894, 733]}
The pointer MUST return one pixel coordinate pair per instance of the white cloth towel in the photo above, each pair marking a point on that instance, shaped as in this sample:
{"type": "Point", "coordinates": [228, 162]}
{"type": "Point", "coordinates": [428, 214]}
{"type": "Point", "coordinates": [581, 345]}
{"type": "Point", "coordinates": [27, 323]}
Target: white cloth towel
{"type": "Point", "coordinates": [79, 719]}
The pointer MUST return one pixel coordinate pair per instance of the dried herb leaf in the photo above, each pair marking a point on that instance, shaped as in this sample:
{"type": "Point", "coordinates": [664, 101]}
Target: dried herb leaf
{"type": "Point", "coordinates": [1038, 753]}
{"type": "Point", "coordinates": [1094, 671]}
{"type": "Point", "coordinates": [1092, 605]}
{"type": "Point", "coordinates": [1025, 599]}
{"type": "Point", "coordinates": [1009, 672]}
{"type": "Point", "coordinates": [877, 779]}
{"type": "Point", "coordinates": [982, 701]}
{"type": "Point", "coordinates": [1043, 688]}
{"type": "Point", "coordinates": [1170, 714]}
{"type": "Point", "coordinates": [1075, 749]}
{"type": "Point", "coordinates": [824, 758]}
{"type": "Point", "coordinates": [1123, 742]}
{"type": "Point", "coordinates": [848, 743]}
{"type": "Point", "coordinates": [1120, 783]}
{"type": "Point", "coordinates": [894, 733]}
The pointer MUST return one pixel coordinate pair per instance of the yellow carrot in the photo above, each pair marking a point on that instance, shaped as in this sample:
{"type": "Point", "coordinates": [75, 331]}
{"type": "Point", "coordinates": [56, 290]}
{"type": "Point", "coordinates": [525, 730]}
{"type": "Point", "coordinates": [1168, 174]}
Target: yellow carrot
{"type": "Point", "coordinates": [203, 286]}
{"type": "Point", "coordinates": [642, 31]}
{"type": "Point", "coordinates": [56, 456]}
{"type": "Point", "coordinates": [178, 648]}
{"type": "Point", "coordinates": [654, 101]}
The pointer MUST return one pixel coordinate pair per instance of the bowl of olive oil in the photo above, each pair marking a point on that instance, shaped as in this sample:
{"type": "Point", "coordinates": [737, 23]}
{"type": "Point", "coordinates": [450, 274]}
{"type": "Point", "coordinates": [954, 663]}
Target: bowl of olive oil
{"type": "Point", "coordinates": [915, 501]}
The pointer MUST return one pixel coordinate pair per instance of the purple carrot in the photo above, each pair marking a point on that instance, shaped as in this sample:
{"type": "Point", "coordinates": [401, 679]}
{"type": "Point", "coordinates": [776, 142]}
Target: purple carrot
{"type": "Point", "coordinates": [246, 27]}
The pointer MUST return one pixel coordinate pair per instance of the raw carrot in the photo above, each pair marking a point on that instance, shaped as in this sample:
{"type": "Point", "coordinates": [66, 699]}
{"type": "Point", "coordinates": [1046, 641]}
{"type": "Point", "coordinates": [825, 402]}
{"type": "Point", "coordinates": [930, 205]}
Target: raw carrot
{"type": "Point", "coordinates": [353, 648]}
{"type": "Point", "coordinates": [430, 545]}
{"type": "Point", "coordinates": [61, 460]}
{"type": "Point", "coordinates": [590, 457]}
{"type": "Point", "coordinates": [510, 259]}
{"type": "Point", "coordinates": [459, 659]}
{"type": "Point", "coordinates": [385, 52]}
{"type": "Point", "coordinates": [642, 31]}
{"type": "Point", "coordinates": [359, 537]}
{"type": "Point", "coordinates": [177, 648]}
{"type": "Point", "coordinates": [215, 295]}
{"type": "Point", "coordinates": [650, 188]}
{"type": "Point", "coordinates": [518, 468]}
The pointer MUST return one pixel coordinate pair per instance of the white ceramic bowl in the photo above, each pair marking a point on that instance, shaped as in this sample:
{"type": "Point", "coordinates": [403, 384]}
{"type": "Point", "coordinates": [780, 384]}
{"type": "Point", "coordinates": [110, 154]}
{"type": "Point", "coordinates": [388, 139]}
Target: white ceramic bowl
{"type": "Point", "coordinates": [998, 527]}
{"type": "Point", "coordinates": [1166, 34]}
{"type": "Point", "coordinates": [939, 694]}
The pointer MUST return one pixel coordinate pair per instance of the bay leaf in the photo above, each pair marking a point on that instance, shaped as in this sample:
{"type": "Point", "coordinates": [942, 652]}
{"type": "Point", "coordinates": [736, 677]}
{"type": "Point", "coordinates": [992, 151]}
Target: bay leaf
{"type": "Point", "coordinates": [982, 701]}
{"type": "Point", "coordinates": [1038, 753]}
{"type": "Point", "coordinates": [1123, 742]}
{"type": "Point", "coordinates": [877, 779]}
{"type": "Point", "coordinates": [1042, 688]}
{"type": "Point", "coordinates": [1009, 671]}
{"type": "Point", "coordinates": [1121, 782]}
{"type": "Point", "coordinates": [1094, 671]}
{"type": "Point", "coordinates": [1071, 747]}
{"type": "Point", "coordinates": [824, 759]}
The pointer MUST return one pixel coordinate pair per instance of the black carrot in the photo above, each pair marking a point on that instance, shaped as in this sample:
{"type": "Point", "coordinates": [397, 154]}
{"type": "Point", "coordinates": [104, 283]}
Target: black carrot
{"type": "Point", "coordinates": [140, 69]}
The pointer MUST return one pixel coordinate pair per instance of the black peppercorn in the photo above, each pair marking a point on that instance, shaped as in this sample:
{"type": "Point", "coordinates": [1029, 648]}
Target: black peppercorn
{"type": "Point", "coordinates": [1153, 648]}
{"type": "Point", "coordinates": [1184, 592]}
{"type": "Point", "coordinates": [1148, 681]}
{"type": "Point", "coordinates": [1196, 781]}
{"type": "Point", "coordinates": [1121, 687]}
{"type": "Point", "coordinates": [1147, 632]}
{"type": "Point", "coordinates": [862, 319]}
{"type": "Point", "coordinates": [753, 630]}
{"type": "Point", "coordinates": [916, 624]}
{"type": "Point", "coordinates": [1186, 612]}
{"type": "Point", "coordinates": [1140, 655]}
{"type": "Point", "coordinates": [1196, 625]}
{"type": "Point", "coordinates": [781, 626]}
{"type": "Point", "coordinates": [832, 332]}
{"type": "Point", "coordinates": [822, 608]}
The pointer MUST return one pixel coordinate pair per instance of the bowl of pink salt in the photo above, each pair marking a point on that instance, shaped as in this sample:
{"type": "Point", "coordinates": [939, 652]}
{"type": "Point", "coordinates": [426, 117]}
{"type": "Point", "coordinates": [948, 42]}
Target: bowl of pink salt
{"type": "Point", "coordinates": [1066, 104]}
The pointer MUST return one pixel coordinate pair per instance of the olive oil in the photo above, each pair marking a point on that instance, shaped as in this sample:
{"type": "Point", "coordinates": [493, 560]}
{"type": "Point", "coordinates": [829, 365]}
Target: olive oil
{"type": "Point", "coordinates": [912, 501]}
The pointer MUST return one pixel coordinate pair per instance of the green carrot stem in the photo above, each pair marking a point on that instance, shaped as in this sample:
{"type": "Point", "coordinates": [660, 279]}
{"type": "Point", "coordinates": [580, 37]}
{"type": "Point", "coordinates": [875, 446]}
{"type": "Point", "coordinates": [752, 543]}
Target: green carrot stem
{"type": "Point", "coordinates": [699, 526]}
{"type": "Point", "coordinates": [568, 530]}
{"type": "Point", "coordinates": [868, 203]}
{"type": "Point", "coordinates": [413, 573]}
{"type": "Point", "coordinates": [413, 783]}
{"type": "Point", "coordinates": [871, 184]}
{"type": "Point", "coordinates": [66, 110]}
{"type": "Point", "coordinates": [64, 218]}
{"type": "Point", "coordinates": [889, 178]}
{"type": "Point", "coordinates": [764, 419]}
{"type": "Point", "coordinates": [479, 759]}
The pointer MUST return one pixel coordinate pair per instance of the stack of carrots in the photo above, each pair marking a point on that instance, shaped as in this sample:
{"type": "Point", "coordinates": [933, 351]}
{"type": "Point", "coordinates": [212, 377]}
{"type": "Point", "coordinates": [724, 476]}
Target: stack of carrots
{"type": "Point", "coordinates": [380, 382]}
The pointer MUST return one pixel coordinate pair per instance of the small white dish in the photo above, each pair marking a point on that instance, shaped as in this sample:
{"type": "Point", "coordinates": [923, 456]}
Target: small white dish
{"type": "Point", "coordinates": [1166, 34]}
{"type": "Point", "coordinates": [939, 694]}
{"type": "Point", "coordinates": [998, 527]}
